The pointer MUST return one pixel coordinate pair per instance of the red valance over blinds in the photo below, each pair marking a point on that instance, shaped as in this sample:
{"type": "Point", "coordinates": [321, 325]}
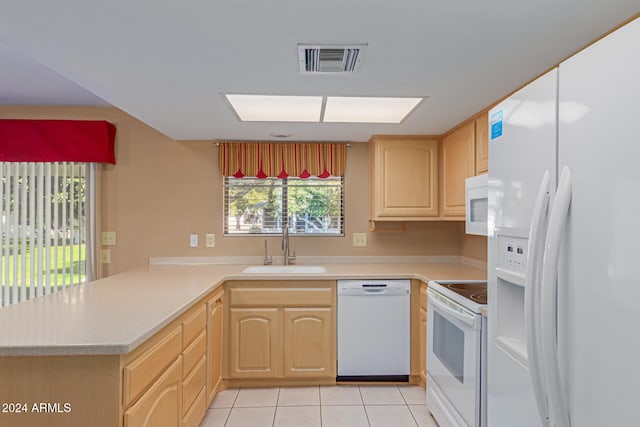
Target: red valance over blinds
{"type": "Point", "coordinates": [281, 160]}
{"type": "Point", "coordinates": [57, 141]}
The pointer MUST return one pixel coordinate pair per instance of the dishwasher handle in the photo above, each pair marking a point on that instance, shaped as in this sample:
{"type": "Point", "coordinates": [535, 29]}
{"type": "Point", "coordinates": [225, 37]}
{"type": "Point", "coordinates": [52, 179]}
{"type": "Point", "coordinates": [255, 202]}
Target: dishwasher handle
{"type": "Point", "coordinates": [361, 291]}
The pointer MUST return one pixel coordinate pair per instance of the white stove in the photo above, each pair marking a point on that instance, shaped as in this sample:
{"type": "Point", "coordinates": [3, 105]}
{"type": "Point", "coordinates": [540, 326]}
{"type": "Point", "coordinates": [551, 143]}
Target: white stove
{"type": "Point", "coordinates": [472, 294]}
{"type": "Point", "coordinates": [456, 352]}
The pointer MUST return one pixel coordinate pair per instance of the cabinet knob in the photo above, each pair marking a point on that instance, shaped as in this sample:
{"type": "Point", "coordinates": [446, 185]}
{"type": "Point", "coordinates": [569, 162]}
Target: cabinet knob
{"type": "Point", "coordinates": [218, 300]}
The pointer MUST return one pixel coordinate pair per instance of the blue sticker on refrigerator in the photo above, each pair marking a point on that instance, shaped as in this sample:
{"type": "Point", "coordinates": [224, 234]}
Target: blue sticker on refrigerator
{"type": "Point", "coordinates": [496, 124]}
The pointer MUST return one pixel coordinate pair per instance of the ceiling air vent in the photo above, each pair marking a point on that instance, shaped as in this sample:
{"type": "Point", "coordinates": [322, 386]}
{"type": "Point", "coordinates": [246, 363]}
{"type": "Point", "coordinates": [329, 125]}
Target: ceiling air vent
{"type": "Point", "coordinates": [330, 59]}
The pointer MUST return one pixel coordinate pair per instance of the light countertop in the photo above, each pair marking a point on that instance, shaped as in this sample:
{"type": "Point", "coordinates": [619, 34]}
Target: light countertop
{"type": "Point", "coordinates": [116, 314]}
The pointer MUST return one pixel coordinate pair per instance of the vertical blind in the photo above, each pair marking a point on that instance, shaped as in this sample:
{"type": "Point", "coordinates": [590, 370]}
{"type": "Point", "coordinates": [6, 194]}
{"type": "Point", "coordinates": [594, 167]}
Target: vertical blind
{"type": "Point", "coordinates": [46, 227]}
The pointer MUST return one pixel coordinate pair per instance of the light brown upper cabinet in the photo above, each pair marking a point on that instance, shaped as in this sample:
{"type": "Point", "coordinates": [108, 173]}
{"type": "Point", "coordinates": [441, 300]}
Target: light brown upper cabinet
{"type": "Point", "coordinates": [458, 163]}
{"type": "Point", "coordinates": [482, 143]}
{"type": "Point", "coordinates": [403, 178]}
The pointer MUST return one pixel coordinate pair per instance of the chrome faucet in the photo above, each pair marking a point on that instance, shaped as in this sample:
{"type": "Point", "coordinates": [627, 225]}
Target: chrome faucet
{"type": "Point", "coordinates": [268, 260]}
{"type": "Point", "coordinates": [285, 244]}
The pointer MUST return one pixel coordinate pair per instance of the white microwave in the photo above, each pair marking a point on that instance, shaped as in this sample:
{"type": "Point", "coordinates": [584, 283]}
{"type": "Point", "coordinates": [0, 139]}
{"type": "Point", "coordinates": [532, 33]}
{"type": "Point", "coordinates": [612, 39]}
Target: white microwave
{"type": "Point", "coordinates": [477, 205]}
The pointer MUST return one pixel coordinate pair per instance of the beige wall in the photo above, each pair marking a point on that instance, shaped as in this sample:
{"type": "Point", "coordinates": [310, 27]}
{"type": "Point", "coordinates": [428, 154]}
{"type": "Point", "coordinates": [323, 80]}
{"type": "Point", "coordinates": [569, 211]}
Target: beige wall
{"type": "Point", "coordinates": [161, 191]}
{"type": "Point", "coordinates": [472, 246]}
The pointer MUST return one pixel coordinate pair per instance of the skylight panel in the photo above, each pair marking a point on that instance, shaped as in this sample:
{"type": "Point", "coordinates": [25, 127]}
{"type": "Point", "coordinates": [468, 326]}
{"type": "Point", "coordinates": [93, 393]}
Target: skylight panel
{"type": "Point", "coordinates": [342, 109]}
{"type": "Point", "coordinates": [276, 108]}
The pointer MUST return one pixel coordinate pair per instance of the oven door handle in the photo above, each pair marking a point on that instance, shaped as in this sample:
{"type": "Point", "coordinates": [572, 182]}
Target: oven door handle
{"type": "Point", "coordinates": [453, 309]}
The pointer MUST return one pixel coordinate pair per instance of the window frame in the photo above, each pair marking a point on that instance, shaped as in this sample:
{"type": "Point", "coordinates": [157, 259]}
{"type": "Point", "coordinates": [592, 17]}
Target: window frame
{"type": "Point", "coordinates": [284, 207]}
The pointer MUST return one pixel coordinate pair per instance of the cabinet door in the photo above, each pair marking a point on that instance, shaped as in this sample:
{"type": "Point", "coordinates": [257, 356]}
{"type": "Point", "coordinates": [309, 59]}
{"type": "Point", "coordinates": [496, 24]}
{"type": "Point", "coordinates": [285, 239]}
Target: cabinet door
{"type": "Point", "coordinates": [215, 312]}
{"type": "Point", "coordinates": [482, 144]}
{"type": "Point", "coordinates": [404, 178]}
{"type": "Point", "coordinates": [309, 342]}
{"type": "Point", "coordinates": [458, 163]}
{"type": "Point", "coordinates": [161, 405]}
{"type": "Point", "coordinates": [254, 342]}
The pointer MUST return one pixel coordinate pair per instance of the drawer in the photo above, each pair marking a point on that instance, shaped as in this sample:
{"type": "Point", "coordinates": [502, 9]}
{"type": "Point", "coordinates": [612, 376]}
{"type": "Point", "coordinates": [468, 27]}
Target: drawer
{"type": "Point", "coordinates": [139, 374]}
{"type": "Point", "coordinates": [192, 326]}
{"type": "Point", "coordinates": [195, 415]}
{"type": "Point", "coordinates": [193, 384]}
{"type": "Point", "coordinates": [160, 405]}
{"type": "Point", "coordinates": [269, 297]}
{"type": "Point", "coordinates": [193, 353]}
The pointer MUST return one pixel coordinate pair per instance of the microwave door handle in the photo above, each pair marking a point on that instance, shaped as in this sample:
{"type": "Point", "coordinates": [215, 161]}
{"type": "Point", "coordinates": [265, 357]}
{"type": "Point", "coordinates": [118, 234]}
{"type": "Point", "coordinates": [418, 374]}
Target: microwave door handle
{"type": "Point", "coordinates": [442, 306]}
{"type": "Point", "coordinates": [532, 298]}
{"type": "Point", "coordinates": [555, 233]}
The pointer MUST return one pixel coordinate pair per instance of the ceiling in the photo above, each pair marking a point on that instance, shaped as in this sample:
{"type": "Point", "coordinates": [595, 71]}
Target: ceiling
{"type": "Point", "coordinates": [168, 63]}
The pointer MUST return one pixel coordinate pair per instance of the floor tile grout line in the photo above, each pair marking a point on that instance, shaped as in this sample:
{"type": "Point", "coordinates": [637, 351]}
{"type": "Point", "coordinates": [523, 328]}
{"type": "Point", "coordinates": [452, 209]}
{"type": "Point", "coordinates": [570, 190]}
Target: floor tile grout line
{"type": "Point", "coordinates": [226, 420]}
{"type": "Point", "coordinates": [235, 399]}
{"type": "Point", "coordinates": [409, 408]}
{"type": "Point", "coordinates": [366, 414]}
{"type": "Point", "coordinates": [413, 416]}
{"type": "Point", "coordinates": [275, 411]}
{"type": "Point", "coordinates": [403, 398]}
{"type": "Point", "coordinates": [320, 404]}
{"type": "Point", "coordinates": [233, 404]}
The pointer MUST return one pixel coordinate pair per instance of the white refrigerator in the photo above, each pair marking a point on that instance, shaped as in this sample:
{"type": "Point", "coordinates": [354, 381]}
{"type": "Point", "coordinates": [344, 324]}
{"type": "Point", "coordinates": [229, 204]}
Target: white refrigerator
{"type": "Point", "coordinates": [564, 243]}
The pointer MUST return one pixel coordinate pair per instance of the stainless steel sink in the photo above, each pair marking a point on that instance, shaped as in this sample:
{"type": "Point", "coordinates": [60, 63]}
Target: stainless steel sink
{"type": "Point", "coordinates": [285, 269]}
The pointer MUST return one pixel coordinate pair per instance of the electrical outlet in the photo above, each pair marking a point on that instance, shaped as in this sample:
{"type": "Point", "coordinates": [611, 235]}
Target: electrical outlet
{"type": "Point", "coordinates": [105, 256]}
{"type": "Point", "coordinates": [360, 239]}
{"type": "Point", "coordinates": [193, 240]}
{"type": "Point", "coordinates": [108, 238]}
{"type": "Point", "coordinates": [210, 240]}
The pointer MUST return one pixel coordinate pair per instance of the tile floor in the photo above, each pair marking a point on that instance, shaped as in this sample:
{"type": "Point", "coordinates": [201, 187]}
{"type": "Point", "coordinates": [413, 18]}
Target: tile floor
{"type": "Point", "coordinates": [330, 406]}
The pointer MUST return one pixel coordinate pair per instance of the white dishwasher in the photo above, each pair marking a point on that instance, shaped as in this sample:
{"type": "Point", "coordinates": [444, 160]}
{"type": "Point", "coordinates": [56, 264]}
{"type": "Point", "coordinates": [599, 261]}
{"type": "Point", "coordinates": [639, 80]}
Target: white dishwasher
{"type": "Point", "coordinates": [374, 327]}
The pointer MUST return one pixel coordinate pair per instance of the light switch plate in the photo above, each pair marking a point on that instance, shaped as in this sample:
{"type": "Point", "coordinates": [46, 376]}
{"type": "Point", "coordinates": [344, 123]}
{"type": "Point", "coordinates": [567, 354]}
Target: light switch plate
{"type": "Point", "coordinates": [210, 240]}
{"type": "Point", "coordinates": [193, 240]}
{"type": "Point", "coordinates": [360, 239]}
{"type": "Point", "coordinates": [105, 256]}
{"type": "Point", "coordinates": [108, 238]}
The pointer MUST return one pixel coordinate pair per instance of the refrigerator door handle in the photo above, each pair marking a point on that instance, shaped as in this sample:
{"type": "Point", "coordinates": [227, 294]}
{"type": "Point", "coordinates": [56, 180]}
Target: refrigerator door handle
{"type": "Point", "coordinates": [532, 298]}
{"type": "Point", "coordinates": [555, 233]}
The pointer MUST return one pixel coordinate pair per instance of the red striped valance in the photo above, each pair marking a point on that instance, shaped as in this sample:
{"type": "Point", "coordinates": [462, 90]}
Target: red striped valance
{"type": "Point", "coordinates": [281, 160]}
{"type": "Point", "coordinates": [57, 141]}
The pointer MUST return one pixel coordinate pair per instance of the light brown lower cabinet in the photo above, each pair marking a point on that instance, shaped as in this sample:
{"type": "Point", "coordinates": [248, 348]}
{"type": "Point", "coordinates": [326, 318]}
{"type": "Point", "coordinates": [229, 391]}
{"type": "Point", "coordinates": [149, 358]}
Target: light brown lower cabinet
{"type": "Point", "coordinates": [161, 404]}
{"type": "Point", "coordinates": [291, 338]}
{"type": "Point", "coordinates": [254, 342]}
{"type": "Point", "coordinates": [194, 416]}
{"type": "Point", "coordinates": [161, 383]}
{"type": "Point", "coordinates": [307, 336]}
{"type": "Point", "coordinates": [215, 316]}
